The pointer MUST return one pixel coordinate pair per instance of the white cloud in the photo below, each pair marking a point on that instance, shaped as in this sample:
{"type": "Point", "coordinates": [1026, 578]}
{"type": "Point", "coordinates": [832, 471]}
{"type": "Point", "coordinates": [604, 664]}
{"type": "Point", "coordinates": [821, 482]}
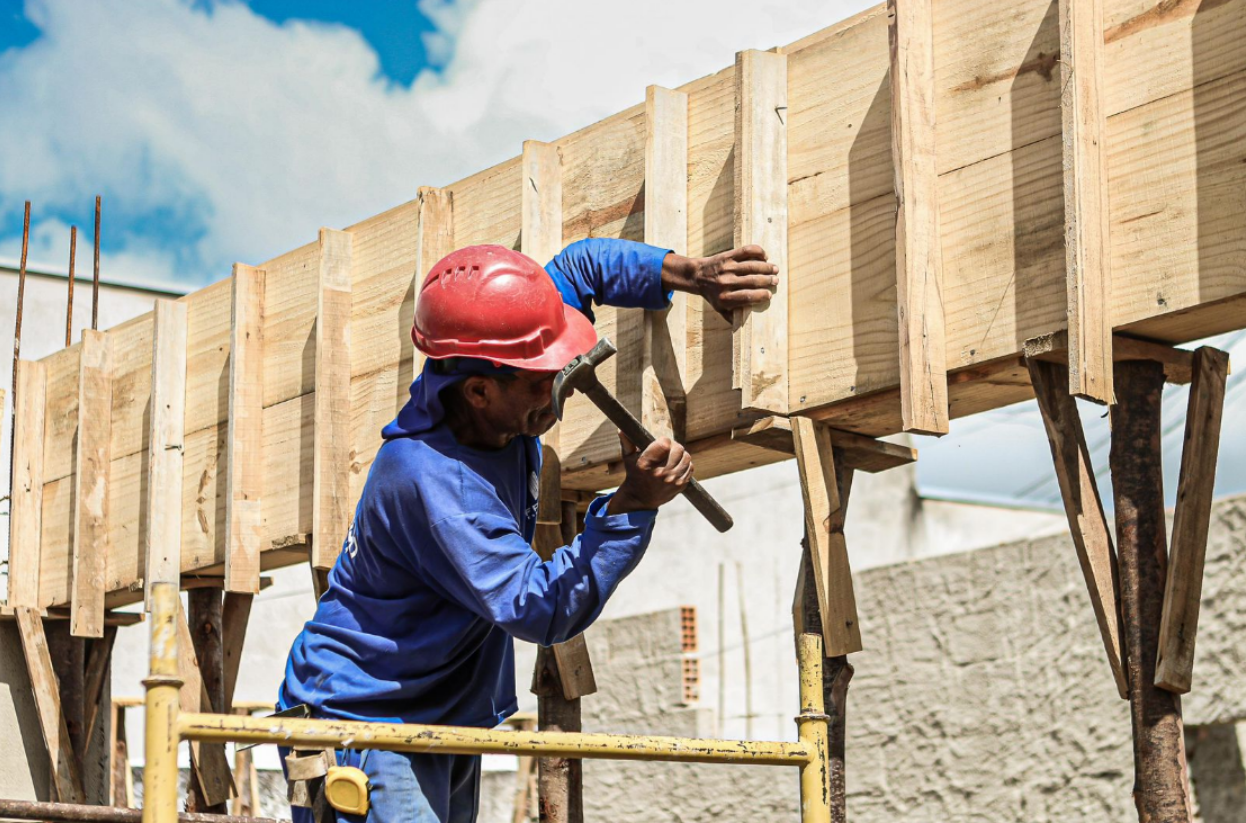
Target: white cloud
{"type": "Point", "coordinates": [252, 135]}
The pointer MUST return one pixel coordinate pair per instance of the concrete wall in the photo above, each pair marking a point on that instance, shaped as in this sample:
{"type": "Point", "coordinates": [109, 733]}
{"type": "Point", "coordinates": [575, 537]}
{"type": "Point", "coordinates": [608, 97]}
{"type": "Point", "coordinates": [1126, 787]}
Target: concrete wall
{"type": "Point", "coordinates": [983, 695]}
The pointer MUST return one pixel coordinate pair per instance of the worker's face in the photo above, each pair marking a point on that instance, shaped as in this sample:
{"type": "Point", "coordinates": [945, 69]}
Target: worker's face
{"type": "Point", "coordinates": [523, 405]}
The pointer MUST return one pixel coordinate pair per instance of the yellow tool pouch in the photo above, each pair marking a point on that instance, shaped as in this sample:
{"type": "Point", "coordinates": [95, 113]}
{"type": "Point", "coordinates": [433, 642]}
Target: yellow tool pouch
{"type": "Point", "coordinates": [346, 789]}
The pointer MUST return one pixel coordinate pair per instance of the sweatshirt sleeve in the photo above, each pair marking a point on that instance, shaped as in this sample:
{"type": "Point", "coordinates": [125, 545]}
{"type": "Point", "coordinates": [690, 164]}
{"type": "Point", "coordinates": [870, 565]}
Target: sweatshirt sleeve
{"type": "Point", "coordinates": [482, 562]}
{"type": "Point", "coordinates": [610, 272]}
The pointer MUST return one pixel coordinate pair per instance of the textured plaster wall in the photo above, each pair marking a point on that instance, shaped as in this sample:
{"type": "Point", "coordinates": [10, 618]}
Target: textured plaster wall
{"type": "Point", "coordinates": [983, 695]}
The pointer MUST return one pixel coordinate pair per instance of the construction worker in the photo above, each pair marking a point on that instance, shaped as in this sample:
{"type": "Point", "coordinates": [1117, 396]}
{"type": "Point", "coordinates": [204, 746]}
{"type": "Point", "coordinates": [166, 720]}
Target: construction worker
{"type": "Point", "coordinates": [437, 574]}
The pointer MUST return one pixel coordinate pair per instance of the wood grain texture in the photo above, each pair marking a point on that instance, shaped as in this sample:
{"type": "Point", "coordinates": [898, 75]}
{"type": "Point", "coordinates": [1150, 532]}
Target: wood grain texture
{"type": "Point", "coordinates": [91, 493]}
{"type": "Point", "coordinates": [435, 240]}
{"type": "Point", "coordinates": [26, 503]}
{"type": "Point", "coordinates": [1084, 508]}
{"type": "Point", "coordinates": [66, 774]}
{"type": "Point", "coordinates": [244, 471]}
{"type": "Point", "coordinates": [208, 763]}
{"type": "Point", "coordinates": [820, 484]}
{"type": "Point", "coordinates": [166, 449]}
{"type": "Point", "coordinates": [664, 369]}
{"type": "Point", "coordinates": [760, 341]}
{"type": "Point", "coordinates": [1087, 254]}
{"type": "Point", "coordinates": [331, 510]}
{"type": "Point", "coordinates": [1178, 630]}
{"type": "Point", "coordinates": [918, 249]}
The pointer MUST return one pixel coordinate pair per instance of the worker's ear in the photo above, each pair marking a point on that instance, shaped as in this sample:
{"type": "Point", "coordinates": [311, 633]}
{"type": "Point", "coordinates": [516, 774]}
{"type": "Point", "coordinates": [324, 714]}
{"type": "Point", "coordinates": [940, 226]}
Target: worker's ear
{"type": "Point", "coordinates": [478, 391]}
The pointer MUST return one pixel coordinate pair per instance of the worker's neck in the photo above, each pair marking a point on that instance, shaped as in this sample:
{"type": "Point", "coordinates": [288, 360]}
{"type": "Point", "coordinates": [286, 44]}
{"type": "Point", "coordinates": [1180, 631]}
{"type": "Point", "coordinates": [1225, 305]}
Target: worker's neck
{"type": "Point", "coordinates": [470, 428]}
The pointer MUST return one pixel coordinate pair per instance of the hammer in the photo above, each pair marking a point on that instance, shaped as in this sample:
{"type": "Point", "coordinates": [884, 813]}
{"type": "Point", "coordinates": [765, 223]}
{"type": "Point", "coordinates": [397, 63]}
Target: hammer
{"type": "Point", "coordinates": [581, 375]}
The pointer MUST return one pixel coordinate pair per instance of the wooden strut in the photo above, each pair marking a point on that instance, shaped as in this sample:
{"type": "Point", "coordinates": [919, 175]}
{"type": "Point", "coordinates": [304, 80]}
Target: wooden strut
{"type": "Point", "coordinates": [1161, 783]}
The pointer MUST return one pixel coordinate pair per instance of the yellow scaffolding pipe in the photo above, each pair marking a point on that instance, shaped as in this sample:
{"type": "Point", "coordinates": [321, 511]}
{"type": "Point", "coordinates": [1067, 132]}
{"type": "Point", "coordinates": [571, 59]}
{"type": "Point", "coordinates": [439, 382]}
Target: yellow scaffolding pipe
{"type": "Point", "coordinates": [166, 727]}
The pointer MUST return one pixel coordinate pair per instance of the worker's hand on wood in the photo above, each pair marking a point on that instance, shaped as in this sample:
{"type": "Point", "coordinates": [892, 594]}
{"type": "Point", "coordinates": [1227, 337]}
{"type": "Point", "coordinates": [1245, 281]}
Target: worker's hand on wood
{"type": "Point", "coordinates": [732, 280]}
{"type": "Point", "coordinates": [655, 476]}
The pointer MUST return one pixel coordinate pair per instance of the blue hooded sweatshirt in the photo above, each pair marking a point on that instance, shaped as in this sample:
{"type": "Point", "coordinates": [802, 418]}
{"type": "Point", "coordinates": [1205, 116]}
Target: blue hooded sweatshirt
{"type": "Point", "coordinates": [437, 573]}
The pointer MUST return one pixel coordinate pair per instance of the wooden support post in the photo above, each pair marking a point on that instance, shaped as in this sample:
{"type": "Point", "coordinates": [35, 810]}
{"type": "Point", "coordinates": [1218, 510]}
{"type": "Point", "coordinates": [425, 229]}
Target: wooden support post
{"type": "Point", "coordinates": [820, 483]}
{"type": "Point", "coordinates": [664, 369]}
{"type": "Point", "coordinates": [1161, 783]}
{"type": "Point", "coordinates": [760, 341]}
{"type": "Point", "coordinates": [560, 780]}
{"type": "Point", "coordinates": [98, 672]}
{"type": "Point", "coordinates": [66, 774]}
{"type": "Point", "coordinates": [166, 447]}
{"type": "Point", "coordinates": [1174, 668]}
{"type": "Point", "coordinates": [1087, 244]}
{"type": "Point", "coordinates": [525, 778]}
{"type": "Point", "coordinates": [236, 611]}
{"type": "Point", "coordinates": [26, 501]}
{"type": "Point", "coordinates": [209, 766]}
{"type": "Point", "coordinates": [121, 783]}
{"type": "Point", "coordinates": [92, 462]}
{"type": "Point", "coordinates": [244, 476]}
{"type": "Point", "coordinates": [331, 442]}
{"type": "Point", "coordinates": [206, 636]}
{"type": "Point", "coordinates": [1082, 505]}
{"type": "Point", "coordinates": [435, 239]}
{"type": "Point", "coordinates": [247, 802]}
{"type": "Point", "coordinates": [919, 262]}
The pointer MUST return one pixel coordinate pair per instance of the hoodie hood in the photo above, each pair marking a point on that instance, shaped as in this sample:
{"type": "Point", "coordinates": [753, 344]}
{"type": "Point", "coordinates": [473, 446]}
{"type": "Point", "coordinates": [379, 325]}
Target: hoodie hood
{"type": "Point", "coordinates": [424, 411]}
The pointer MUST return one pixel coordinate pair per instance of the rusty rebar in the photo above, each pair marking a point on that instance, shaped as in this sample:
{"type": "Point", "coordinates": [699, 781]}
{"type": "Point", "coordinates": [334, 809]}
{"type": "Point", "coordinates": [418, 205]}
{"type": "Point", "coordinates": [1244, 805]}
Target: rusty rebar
{"type": "Point", "coordinates": [95, 282]}
{"type": "Point", "coordinates": [69, 300]}
{"type": "Point", "coordinates": [17, 339]}
{"type": "Point", "coordinates": [75, 813]}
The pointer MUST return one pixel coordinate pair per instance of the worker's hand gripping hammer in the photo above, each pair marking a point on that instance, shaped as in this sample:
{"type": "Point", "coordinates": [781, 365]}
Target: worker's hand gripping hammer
{"type": "Point", "coordinates": [581, 375]}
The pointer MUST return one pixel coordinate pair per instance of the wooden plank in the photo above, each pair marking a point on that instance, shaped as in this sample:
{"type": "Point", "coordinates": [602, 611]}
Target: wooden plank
{"type": "Point", "coordinates": [331, 448]}
{"type": "Point", "coordinates": [919, 255]}
{"type": "Point", "coordinates": [208, 761]}
{"type": "Point", "coordinates": [435, 240]}
{"type": "Point", "coordinates": [66, 775]}
{"type": "Point", "coordinates": [820, 485]}
{"type": "Point", "coordinates": [853, 450]}
{"type": "Point", "coordinates": [664, 370]}
{"type": "Point", "coordinates": [235, 612]}
{"type": "Point", "coordinates": [1083, 507]}
{"type": "Point", "coordinates": [244, 479]}
{"type": "Point", "coordinates": [98, 672]}
{"type": "Point", "coordinates": [166, 449]}
{"type": "Point", "coordinates": [26, 504]}
{"type": "Point", "coordinates": [1178, 363]}
{"type": "Point", "coordinates": [1174, 667]}
{"type": "Point", "coordinates": [1087, 233]}
{"type": "Point", "coordinates": [761, 218]}
{"type": "Point", "coordinates": [90, 520]}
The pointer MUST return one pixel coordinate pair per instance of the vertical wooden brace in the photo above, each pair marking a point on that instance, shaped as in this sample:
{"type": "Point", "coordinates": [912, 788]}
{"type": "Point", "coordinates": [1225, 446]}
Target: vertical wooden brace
{"type": "Point", "coordinates": [244, 478]}
{"type": "Point", "coordinates": [208, 762]}
{"type": "Point", "coordinates": [1082, 505]}
{"type": "Point", "coordinates": [93, 457]}
{"type": "Point", "coordinates": [1174, 667]}
{"type": "Point", "coordinates": [760, 340]}
{"type": "Point", "coordinates": [665, 365]}
{"type": "Point", "coordinates": [820, 482]}
{"type": "Point", "coordinates": [166, 447]}
{"type": "Point", "coordinates": [66, 776]}
{"type": "Point", "coordinates": [331, 442]}
{"type": "Point", "coordinates": [541, 238]}
{"type": "Point", "coordinates": [26, 503]}
{"type": "Point", "coordinates": [919, 268]}
{"type": "Point", "coordinates": [435, 229]}
{"type": "Point", "coordinates": [1087, 248]}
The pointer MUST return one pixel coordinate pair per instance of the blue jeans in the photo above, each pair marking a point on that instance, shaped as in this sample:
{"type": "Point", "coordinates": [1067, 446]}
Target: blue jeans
{"type": "Point", "coordinates": [410, 788]}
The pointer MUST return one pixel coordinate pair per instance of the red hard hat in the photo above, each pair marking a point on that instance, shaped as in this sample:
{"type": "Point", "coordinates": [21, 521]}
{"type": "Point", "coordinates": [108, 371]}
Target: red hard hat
{"type": "Point", "coordinates": [495, 304]}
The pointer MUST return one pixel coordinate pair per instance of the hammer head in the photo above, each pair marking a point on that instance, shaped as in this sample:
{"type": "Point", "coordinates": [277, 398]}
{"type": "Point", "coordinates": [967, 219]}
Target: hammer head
{"type": "Point", "coordinates": [580, 372]}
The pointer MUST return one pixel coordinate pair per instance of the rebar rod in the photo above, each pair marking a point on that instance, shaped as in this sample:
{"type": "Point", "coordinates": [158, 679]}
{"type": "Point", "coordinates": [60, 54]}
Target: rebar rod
{"type": "Point", "coordinates": [81, 813]}
{"type": "Point", "coordinates": [95, 282]}
{"type": "Point", "coordinates": [69, 299]}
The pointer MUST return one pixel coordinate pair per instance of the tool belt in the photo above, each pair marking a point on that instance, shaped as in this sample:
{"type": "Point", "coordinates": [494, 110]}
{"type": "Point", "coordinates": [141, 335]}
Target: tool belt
{"type": "Point", "coordinates": [315, 781]}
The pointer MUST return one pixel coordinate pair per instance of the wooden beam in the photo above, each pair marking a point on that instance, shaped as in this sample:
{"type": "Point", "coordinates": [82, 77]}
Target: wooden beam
{"type": "Point", "coordinates": [1174, 667]}
{"type": "Point", "coordinates": [90, 521]}
{"type": "Point", "coordinates": [208, 762]}
{"type": "Point", "coordinates": [66, 776]}
{"type": "Point", "coordinates": [434, 240]}
{"type": "Point", "coordinates": [760, 341]}
{"type": "Point", "coordinates": [26, 503]}
{"type": "Point", "coordinates": [664, 369]}
{"type": "Point", "coordinates": [820, 484]}
{"type": "Point", "coordinates": [853, 451]}
{"type": "Point", "coordinates": [331, 442]}
{"type": "Point", "coordinates": [166, 447]}
{"type": "Point", "coordinates": [1178, 363]}
{"type": "Point", "coordinates": [1083, 507]}
{"type": "Point", "coordinates": [244, 477]}
{"type": "Point", "coordinates": [919, 256]}
{"type": "Point", "coordinates": [236, 612]}
{"type": "Point", "coordinates": [1087, 241]}
{"type": "Point", "coordinates": [98, 672]}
